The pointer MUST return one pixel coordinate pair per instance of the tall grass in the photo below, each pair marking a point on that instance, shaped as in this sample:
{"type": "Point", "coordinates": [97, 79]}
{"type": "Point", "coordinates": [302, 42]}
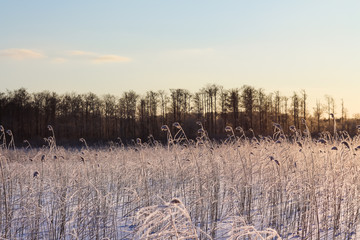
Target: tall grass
{"type": "Point", "coordinates": [290, 187]}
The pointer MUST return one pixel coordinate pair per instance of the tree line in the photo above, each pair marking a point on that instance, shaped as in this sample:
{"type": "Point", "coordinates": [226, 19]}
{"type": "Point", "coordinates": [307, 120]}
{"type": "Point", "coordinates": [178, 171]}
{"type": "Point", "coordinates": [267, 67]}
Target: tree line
{"type": "Point", "coordinates": [111, 118]}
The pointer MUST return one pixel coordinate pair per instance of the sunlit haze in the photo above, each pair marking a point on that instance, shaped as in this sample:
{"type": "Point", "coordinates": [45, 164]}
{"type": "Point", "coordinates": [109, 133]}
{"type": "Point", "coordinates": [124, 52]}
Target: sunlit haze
{"type": "Point", "coordinates": [115, 46]}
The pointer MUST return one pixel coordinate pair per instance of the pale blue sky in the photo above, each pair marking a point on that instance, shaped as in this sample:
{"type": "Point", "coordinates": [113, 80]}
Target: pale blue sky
{"type": "Point", "coordinates": [114, 46]}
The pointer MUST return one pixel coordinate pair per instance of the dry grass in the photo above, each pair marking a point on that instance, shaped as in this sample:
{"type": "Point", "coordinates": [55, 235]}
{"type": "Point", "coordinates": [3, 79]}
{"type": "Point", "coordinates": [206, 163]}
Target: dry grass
{"type": "Point", "coordinates": [239, 190]}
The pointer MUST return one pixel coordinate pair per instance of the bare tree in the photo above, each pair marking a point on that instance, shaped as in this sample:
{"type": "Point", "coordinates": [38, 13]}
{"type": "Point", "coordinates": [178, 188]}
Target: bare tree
{"type": "Point", "coordinates": [303, 101]}
{"type": "Point", "coordinates": [198, 106]}
{"type": "Point", "coordinates": [285, 116]}
{"type": "Point", "coordinates": [277, 102]}
{"type": "Point", "coordinates": [128, 102]}
{"type": "Point", "coordinates": [248, 98]}
{"type": "Point", "coordinates": [180, 104]}
{"type": "Point", "coordinates": [109, 112]}
{"type": "Point", "coordinates": [318, 111]}
{"type": "Point", "coordinates": [233, 105]}
{"type": "Point", "coordinates": [164, 99]}
{"type": "Point", "coordinates": [210, 95]}
{"type": "Point", "coordinates": [262, 109]}
{"type": "Point", "coordinates": [295, 105]}
{"type": "Point", "coordinates": [330, 107]}
{"type": "Point", "coordinates": [223, 106]}
{"type": "Point", "coordinates": [152, 101]}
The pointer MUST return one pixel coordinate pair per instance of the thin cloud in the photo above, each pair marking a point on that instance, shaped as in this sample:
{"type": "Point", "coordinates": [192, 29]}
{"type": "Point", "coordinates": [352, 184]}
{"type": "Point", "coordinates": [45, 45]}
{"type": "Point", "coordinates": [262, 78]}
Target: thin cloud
{"type": "Point", "coordinates": [21, 54]}
{"type": "Point", "coordinates": [98, 58]}
{"type": "Point", "coordinates": [59, 60]}
{"type": "Point", "coordinates": [81, 53]}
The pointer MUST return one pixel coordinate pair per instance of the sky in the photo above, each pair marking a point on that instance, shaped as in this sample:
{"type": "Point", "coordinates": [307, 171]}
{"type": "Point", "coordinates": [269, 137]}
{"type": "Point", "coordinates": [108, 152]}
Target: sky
{"type": "Point", "coordinates": [115, 46]}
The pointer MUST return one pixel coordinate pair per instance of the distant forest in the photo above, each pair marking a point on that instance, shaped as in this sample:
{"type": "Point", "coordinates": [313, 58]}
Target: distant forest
{"type": "Point", "coordinates": [100, 119]}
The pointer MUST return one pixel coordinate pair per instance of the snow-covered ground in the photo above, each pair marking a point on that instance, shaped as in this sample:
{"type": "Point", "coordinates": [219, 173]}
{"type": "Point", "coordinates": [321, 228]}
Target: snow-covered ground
{"type": "Point", "coordinates": [267, 188]}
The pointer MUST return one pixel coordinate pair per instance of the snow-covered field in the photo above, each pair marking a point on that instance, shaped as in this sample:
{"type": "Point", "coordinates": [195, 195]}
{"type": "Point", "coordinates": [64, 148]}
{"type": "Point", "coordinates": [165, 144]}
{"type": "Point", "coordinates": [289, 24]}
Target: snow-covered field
{"type": "Point", "coordinates": [264, 188]}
